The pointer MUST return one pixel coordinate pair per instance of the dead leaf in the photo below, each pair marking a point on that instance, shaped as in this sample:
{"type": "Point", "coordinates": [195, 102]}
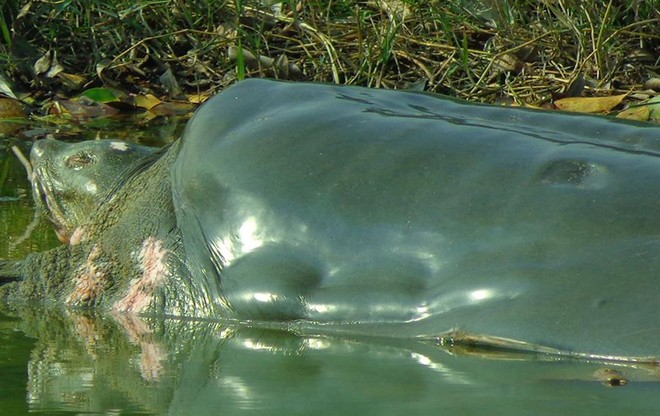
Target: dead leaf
{"type": "Point", "coordinates": [280, 66]}
{"type": "Point", "coordinates": [590, 104]}
{"type": "Point", "coordinates": [198, 98]}
{"type": "Point", "coordinates": [10, 108]}
{"type": "Point", "coordinates": [252, 61]}
{"type": "Point", "coordinates": [172, 108]}
{"type": "Point", "coordinates": [83, 109]}
{"type": "Point", "coordinates": [508, 63]}
{"type": "Point", "coordinates": [640, 113]}
{"type": "Point", "coordinates": [5, 87]}
{"type": "Point", "coordinates": [397, 10]}
{"type": "Point", "coordinates": [24, 10]}
{"type": "Point", "coordinates": [146, 101]}
{"type": "Point", "coordinates": [11, 111]}
{"type": "Point", "coordinates": [71, 81]}
{"type": "Point", "coordinates": [654, 106]}
{"type": "Point", "coordinates": [101, 66]}
{"type": "Point", "coordinates": [48, 65]}
{"type": "Point", "coordinates": [652, 84]}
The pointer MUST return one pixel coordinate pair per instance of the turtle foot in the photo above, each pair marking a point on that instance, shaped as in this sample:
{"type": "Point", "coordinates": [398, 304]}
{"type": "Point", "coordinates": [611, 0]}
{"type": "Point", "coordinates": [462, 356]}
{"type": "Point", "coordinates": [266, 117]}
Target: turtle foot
{"type": "Point", "coordinates": [10, 271]}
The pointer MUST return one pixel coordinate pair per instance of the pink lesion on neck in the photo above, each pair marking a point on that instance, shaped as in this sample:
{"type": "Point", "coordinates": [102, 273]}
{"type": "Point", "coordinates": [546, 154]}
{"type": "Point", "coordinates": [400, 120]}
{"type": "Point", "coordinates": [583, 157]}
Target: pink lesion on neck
{"type": "Point", "coordinates": [152, 260]}
{"type": "Point", "coordinates": [77, 236]}
{"type": "Point", "coordinates": [90, 282]}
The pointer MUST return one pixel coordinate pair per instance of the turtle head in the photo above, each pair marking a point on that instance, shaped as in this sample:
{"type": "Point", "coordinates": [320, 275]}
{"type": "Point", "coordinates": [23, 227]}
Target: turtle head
{"type": "Point", "coordinates": [69, 180]}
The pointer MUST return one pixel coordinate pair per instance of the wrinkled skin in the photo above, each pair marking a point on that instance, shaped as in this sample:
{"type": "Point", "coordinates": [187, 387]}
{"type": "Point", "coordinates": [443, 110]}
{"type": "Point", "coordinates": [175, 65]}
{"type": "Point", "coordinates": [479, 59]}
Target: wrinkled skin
{"type": "Point", "coordinates": [335, 209]}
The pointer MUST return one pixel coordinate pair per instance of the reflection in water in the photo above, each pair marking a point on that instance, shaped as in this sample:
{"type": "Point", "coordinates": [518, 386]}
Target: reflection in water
{"type": "Point", "coordinates": [118, 364]}
{"type": "Point", "coordinates": [21, 232]}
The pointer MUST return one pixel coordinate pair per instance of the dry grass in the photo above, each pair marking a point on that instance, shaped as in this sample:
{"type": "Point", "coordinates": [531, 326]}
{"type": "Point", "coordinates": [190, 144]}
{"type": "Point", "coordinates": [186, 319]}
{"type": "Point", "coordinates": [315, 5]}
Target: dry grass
{"type": "Point", "coordinates": [484, 50]}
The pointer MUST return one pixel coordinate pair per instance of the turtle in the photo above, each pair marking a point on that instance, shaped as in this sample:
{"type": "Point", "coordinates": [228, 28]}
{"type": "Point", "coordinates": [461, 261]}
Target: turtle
{"type": "Point", "coordinates": [319, 207]}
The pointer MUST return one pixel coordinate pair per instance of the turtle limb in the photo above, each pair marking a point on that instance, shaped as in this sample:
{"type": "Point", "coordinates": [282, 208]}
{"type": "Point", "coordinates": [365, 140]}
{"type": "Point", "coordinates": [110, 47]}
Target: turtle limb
{"type": "Point", "coordinates": [10, 271]}
{"type": "Point", "coordinates": [42, 277]}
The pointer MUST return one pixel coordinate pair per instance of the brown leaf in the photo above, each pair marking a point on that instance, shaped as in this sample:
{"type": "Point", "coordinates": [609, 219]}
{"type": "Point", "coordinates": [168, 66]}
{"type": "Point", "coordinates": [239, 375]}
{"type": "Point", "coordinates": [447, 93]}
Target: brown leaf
{"type": "Point", "coordinates": [652, 84]}
{"type": "Point", "coordinates": [397, 10]}
{"type": "Point", "coordinates": [48, 65]}
{"type": "Point", "coordinates": [640, 113]}
{"type": "Point", "coordinates": [589, 104]}
{"type": "Point", "coordinates": [172, 108]}
{"type": "Point", "coordinates": [83, 110]}
{"type": "Point", "coordinates": [146, 101]}
{"type": "Point", "coordinates": [71, 81]}
{"type": "Point", "coordinates": [5, 87]}
{"type": "Point", "coordinates": [10, 108]}
{"type": "Point", "coordinates": [508, 63]}
{"type": "Point", "coordinates": [199, 98]}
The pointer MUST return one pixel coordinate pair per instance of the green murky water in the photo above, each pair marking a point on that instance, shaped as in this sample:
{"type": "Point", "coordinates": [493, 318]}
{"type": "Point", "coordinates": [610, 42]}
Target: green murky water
{"type": "Point", "coordinates": [57, 362]}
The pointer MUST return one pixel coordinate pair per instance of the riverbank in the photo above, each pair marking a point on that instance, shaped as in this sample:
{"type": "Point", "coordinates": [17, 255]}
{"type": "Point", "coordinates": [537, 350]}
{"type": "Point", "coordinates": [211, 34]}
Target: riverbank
{"type": "Point", "coordinates": [513, 52]}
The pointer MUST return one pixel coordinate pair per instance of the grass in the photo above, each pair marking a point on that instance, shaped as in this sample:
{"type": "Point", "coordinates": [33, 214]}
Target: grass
{"type": "Point", "coordinates": [483, 50]}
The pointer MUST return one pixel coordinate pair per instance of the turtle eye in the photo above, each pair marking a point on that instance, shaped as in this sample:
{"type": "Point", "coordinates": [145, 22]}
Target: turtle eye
{"type": "Point", "coordinates": [80, 160]}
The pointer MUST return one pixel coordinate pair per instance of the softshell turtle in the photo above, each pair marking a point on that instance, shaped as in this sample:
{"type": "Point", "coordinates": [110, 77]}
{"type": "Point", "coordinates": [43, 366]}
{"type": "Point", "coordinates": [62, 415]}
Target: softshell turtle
{"type": "Point", "coordinates": [328, 208]}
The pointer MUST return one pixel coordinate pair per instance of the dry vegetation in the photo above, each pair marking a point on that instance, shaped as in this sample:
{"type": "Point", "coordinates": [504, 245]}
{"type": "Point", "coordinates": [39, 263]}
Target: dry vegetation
{"type": "Point", "coordinates": [527, 51]}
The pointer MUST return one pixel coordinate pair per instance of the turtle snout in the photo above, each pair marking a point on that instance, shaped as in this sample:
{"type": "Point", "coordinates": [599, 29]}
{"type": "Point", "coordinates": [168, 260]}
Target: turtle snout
{"type": "Point", "coordinates": [41, 148]}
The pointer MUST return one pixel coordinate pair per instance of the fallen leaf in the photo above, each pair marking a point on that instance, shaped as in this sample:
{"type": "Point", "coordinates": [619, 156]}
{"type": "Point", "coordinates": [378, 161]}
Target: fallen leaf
{"type": "Point", "coordinates": [5, 87]}
{"type": "Point", "coordinates": [146, 101]}
{"type": "Point", "coordinates": [198, 98]}
{"type": "Point", "coordinates": [48, 65]}
{"type": "Point", "coordinates": [71, 81]}
{"type": "Point", "coordinates": [84, 110]}
{"type": "Point", "coordinates": [172, 108]}
{"type": "Point", "coordinates": [24, 10]}
{"type": "Point", "coordinates": [589, 104]}
{"type": "Point", "coordinates": [419, 85]}
{"type": "Point", "coordinates": [652, 84]}
{"type": "Point", "coordinates": [101, 95]}
{"type": "Point", "coordinates": [252, 61]}
{"type": "Point", "coordinates": [508, 63]}
{"type": "Point", "coordinates": [10, 108]}
{"type": "Point", "coordinates": [640, 113]}
{"type": "Point", "coordinates": [11, 113]}
{"type": "Point", "coordinates": [397, 10]}
{"type": "Point", "coordinates": [654, 106]}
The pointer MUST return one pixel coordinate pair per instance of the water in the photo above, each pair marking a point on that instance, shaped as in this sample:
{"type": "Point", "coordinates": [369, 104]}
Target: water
{"type": "Point", "coordinates": [72, 363]}
{"type": "Point", "coordinates": [63, 362]}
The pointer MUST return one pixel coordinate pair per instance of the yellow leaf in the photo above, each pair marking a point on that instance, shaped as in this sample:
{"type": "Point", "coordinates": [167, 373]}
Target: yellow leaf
{"type": "Point", "coordinates": [10, 108]}
{"type": "Point", "coordinates": [198, 98]}
{"type": "Point", "coordinates": [654, 106]}
{"type": "Point", "coordinates": [590, 104]}
{"type": "Point", "coordinates": [146, 101]}
{"type": "Point", "coordinates": [173, 108]}
{"type": "Point", "coordinates": [10, 112]}
{"type": "Point", "coordinates": [641, 113]}
{"type": "Point", "coordinates": [71, 81]}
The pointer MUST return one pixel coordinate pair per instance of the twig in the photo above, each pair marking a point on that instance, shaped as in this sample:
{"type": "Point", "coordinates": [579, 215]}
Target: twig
{"type": "Point", "coordinates": [37, 211]}
{"type": "Point", "coordinates": [36, 217]}
{"type": "Point", "coordinates": [24, 161]}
